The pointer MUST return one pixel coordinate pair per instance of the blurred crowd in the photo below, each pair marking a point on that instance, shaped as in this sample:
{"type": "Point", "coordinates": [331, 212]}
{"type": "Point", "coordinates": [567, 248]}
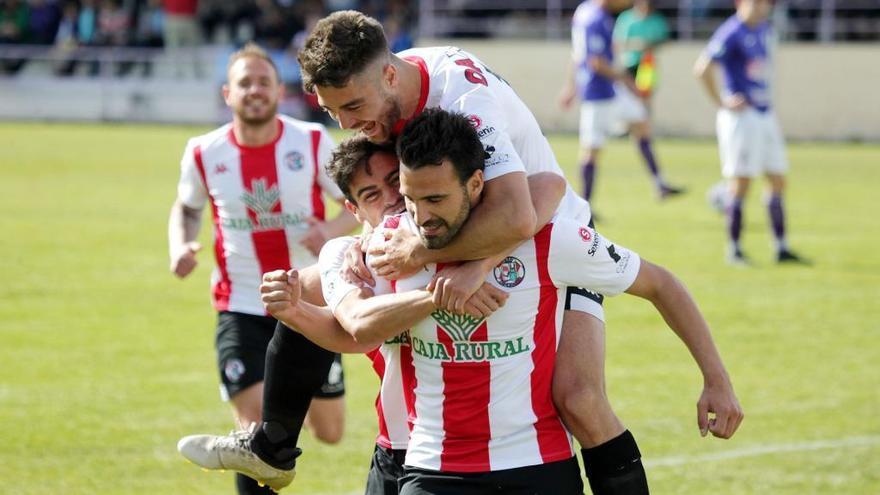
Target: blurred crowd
{"type": "Point", "coordinates": [72, 27]}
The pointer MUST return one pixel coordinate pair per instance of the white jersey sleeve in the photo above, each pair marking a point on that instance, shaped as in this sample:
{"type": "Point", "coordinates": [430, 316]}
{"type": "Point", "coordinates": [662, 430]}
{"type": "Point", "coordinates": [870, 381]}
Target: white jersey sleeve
{"type": "Point", "coordinates": [481, 109]}
{"type": "Point", "coordinates": [191, 189]}
{"type": "Point", "coordinates": [580, 257]}
{"type": "Point", "coordinates": [334, 287]}
{"type": "Point", "coordinates": [325, 151]}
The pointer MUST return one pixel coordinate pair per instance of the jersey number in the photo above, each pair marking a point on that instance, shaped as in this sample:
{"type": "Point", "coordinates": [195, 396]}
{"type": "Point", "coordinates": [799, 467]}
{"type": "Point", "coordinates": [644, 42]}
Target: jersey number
{"type": "Point", "coordinates": [473, 73]}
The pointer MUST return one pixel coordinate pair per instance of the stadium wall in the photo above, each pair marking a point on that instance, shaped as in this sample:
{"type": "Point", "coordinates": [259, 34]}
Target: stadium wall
{"type": "Point", "coordinates": [824, 92]}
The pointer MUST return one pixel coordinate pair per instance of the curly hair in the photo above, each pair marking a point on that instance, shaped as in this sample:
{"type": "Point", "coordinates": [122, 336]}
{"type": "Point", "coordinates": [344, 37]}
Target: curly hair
{"type": "Point", "coordinates": [436, 134]}
{"type": "Point", "coordinates": [348, 156]}
{"type": "Point", "coordinates": [341, 45]}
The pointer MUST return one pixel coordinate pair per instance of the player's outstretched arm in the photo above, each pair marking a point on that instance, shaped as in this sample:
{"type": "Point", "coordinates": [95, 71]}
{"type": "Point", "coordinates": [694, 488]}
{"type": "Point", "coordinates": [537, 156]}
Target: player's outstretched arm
{"type": "Point", "coordinates": [681, 313]}
{"type": "Point", "coordinates": [183, 230]}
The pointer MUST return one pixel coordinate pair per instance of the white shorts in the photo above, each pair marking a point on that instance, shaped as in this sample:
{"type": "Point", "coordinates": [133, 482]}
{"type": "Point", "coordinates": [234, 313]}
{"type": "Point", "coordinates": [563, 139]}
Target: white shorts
{"type": "Point", "coordinates": [603, 118]}
{"type": "Point", "coordinates": [750, 143]}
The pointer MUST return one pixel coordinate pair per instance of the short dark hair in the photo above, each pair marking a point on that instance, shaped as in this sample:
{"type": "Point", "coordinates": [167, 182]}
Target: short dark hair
{"type": "Point", "coordinates": [348, 156]}
{"type": "Point", "coordinates": [436, 134]}
{"type": "Point", "coordinates": [341, 45]}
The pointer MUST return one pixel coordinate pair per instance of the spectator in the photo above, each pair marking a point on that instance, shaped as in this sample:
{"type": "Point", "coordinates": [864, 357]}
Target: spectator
{"type": "Point", "coordinates": [150, 30]}
{"type": "Point", "coordinates": [182, 33]}
{"type": "Point", "coordinates": [66, 42]}
{"type": "Point", "coordinates": [13, 30]}
{"type": "Point", "coordinates": [43, 22]}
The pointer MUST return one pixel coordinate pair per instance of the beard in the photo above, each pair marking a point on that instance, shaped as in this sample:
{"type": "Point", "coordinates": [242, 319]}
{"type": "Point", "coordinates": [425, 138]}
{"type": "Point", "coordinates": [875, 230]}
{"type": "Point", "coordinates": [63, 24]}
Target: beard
{"type": "Point", "coordinates": [440, 241]}
{"type": "Point", "coordinates": [389, 116]}
{"type": "Point", "coordinates": [256, 121]}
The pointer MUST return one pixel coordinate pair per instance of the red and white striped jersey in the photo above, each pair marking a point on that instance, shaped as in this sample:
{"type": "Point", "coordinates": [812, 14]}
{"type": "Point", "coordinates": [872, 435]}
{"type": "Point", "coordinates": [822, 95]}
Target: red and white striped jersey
{"type": "Point", "coordinates": [483, 387]}
{"type": "Point", "coordinates": [261, 198]}
{"type": "Point", "coordinates": [392, 360]}
{"type": "Point", "coordinates": [457, 81]}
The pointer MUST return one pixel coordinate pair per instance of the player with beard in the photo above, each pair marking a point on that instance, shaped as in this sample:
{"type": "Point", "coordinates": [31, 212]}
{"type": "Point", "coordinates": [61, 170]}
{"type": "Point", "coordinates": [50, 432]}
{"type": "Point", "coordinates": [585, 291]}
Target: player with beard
{"type": "Point", "coordinates": [482, 415]}
{"type": "Point", "coordinates": [361, 84]}
{"type": "Point", "coordinates": [264, 178]}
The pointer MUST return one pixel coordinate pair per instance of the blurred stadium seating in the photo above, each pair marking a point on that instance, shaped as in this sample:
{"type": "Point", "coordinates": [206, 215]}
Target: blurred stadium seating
{"type": "Point", "coordinates": [109, 60]}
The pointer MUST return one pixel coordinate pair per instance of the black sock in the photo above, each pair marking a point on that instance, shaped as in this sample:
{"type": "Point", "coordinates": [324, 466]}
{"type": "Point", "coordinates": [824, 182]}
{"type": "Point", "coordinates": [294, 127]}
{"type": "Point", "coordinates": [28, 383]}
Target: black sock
{"type": "Point", "coordinates": [615, 467]}
{"type": "Point", "coordinates": [248, 486]}
{"type": "Point", "coordinates": [295, 369]}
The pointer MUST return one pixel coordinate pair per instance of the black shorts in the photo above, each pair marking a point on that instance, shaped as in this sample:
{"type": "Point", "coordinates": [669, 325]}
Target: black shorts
{"type": "Point", "coordinates": [386, 468]}
{"type": "Point", "coordinates": [555, 478]}
{"type": "Point", "coordinates": [241, 341]}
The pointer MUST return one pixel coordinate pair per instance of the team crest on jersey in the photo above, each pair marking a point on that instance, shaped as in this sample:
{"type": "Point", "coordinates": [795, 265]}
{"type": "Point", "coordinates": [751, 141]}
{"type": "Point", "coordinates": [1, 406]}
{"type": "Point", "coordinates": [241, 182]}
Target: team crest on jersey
{"type": "Point", "coordinates": [510, 272]}
{"type": "Point", "coordinates": [294, 161]}
{"type": "Point", "coordinates": [234, 370]}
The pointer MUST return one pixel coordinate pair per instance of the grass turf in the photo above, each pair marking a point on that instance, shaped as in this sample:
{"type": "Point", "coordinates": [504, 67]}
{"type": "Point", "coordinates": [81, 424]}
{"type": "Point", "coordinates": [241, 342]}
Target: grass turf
{"type": "Point", "coordinates": [108, 359]}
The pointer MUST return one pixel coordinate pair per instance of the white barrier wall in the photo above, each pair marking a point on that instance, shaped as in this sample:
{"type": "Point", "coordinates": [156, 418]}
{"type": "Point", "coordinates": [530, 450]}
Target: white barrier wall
{"type": "Point", "coordinates": [823, 91]}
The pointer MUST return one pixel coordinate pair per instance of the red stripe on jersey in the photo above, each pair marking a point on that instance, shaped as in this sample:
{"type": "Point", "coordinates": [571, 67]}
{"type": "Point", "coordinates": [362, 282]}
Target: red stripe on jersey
{"type": "Point", "coordinates": [408, 376]}
{"type": "Point", "coordinates": [552, 437]}
{"type": "Point", "coordinates": [258, 166]}
{"type": "Point", "coordinates": [424, 89]}
{"type": "Point", "coordinates": [317, 198]}
{"type": "Point", "coordinates": [465, 409]}
{"type": "Point", "coordinates": [379, 366]}
{"type": "Point", "coordinates": [223, 287]}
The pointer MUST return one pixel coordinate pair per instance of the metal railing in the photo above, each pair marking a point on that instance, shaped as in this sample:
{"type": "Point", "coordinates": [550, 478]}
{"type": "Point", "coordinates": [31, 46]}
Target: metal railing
{"type": "Point", "coordinates": [805, 20]}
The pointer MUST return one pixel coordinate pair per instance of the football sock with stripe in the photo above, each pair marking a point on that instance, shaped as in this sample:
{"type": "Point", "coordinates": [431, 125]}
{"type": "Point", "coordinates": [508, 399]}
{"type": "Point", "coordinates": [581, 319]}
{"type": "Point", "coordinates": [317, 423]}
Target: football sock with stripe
{"type": "Point", "coordinates": [615, 467]}
{"type": "Point", "coordinates": [734, 222]}
{"type": "Point", "coordinates": [588, 173]}
{"type": "Point", "coordinates": [650, 161]}
{"type": "Point", "coordinates": [777, 220]}
{"type": "Point", "coordinates": [295, 369]}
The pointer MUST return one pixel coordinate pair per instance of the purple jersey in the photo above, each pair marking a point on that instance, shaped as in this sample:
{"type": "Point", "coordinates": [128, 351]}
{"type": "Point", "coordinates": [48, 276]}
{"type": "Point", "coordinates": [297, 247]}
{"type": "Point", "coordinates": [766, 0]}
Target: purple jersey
{"type": "Point", "coordinates": [742, 52]}
{"type": "Point", "coordinates": [591, 29]}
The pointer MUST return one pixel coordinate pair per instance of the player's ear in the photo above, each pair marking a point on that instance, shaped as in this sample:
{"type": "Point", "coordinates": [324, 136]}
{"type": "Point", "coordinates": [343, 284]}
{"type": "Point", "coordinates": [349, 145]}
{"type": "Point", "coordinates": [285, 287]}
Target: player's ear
{"type": "Point", "coordinates": [353, 209]}
{"type": "Point", "coordinates": [390, 75]}
{"type": "Point", "coordinates": [225, 91]}
{"type": "Point", "coordinates": [475, 184]}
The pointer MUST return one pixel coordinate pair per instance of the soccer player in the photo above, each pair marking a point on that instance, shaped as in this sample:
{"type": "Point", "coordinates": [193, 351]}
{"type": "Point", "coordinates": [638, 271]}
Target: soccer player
{"type": "Point", "coordinates": [749, 138]}
{"type": "Point", "coordinates": [347, 63]}
{"type": "Point", "coordinates": [608, 94]}
{"type": "Point", "coordinates": [368, 174]}
{"type": "Point", "coordinates": [483, 416]}
{"type": "Point", "coordinates": [264, 178]}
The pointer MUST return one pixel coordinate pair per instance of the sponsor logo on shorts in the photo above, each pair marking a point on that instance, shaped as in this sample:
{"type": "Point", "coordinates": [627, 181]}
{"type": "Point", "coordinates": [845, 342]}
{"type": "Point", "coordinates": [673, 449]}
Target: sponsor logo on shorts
{"type": "Point", "coordinates": [594, 246]}
{"type": "Point", "coordinates": [294, 161]}
{"type": "Point", "coordinates": [622, 260]}
{"type": "Point", "coordinates": [510, 272]}
{"type": "Point", "coordinates": [585, 234]}
{"type": "Point", "coordinates": [234, 370]}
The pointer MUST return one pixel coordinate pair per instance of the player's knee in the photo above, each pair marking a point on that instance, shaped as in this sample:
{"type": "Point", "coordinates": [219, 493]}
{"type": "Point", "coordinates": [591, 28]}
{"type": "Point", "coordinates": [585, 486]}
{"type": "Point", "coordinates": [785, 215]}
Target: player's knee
{"type": "Point", "coordinates": [576, 396]}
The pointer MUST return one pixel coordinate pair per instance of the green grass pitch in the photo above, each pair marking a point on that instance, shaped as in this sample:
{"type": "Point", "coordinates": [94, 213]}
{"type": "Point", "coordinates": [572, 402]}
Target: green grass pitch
{"type": "Point", "coordinates": [107, 359]}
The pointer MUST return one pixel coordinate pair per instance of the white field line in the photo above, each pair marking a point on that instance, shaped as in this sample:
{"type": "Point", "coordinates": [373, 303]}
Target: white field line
{"type": "Point", "coordinates": [757, 450]}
